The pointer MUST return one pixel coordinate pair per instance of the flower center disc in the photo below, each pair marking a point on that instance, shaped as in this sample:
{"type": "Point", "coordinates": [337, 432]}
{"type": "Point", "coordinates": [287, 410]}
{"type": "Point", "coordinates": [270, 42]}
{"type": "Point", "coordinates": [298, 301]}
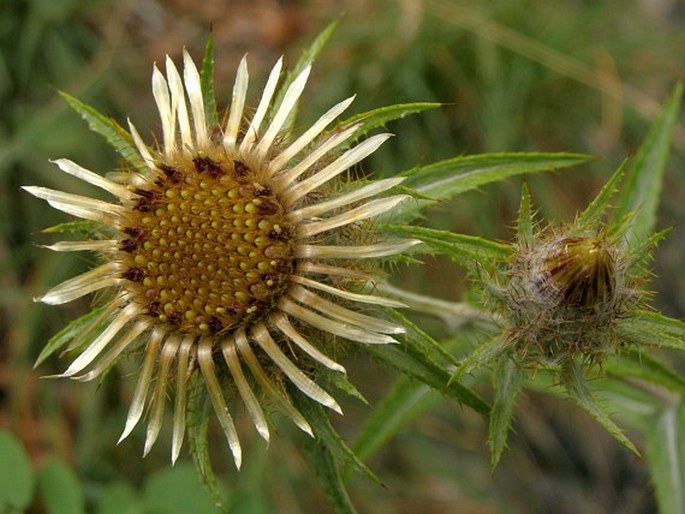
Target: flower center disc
{"type": "Point", "coordinates": [208, 245]}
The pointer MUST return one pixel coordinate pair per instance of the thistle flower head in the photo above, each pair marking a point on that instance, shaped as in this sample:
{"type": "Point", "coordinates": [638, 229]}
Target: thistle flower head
{"type": "Point", "coordinates": [235, 253]}
{"type": "Point", "coordinates": [565, 290]}
{"type": "Point", "coordinates": [560, 304]}
{"type": "Point", "coordinates": [563, 300]}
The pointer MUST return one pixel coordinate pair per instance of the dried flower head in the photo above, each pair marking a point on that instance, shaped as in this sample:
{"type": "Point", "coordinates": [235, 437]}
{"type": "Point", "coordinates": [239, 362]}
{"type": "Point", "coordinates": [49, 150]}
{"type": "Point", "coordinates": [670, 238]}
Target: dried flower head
{"type": "Point", "coordinates": [235, 253]}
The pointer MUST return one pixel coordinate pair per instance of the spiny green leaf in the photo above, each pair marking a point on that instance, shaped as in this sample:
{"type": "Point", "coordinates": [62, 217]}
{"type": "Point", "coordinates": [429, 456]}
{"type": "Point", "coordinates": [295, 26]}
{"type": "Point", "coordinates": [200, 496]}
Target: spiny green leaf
{"type": "Point", "coordinates": [422, 358]}
{"type": "Point", "coordinates": [631, 402]}
{"type": "Point", "coordinates": [113, 133]}
{"type": "Point", "coordinates": [62, 338]}
{"type": "Point", "coordinates": [446, 179]}
{"type": "Point", "coordinates": [306, 58]}
{"type": "Point", "coordinates": [643, 366]}
{"type": "Point", "coordinates": [405, 401]}
{"type": "Point", "coordinates": [619, 226]}
{"type": "Point", "coordinates": [525, 222]}
{"type": "Point", "coordinates": [376, 118]}
{"type": "Point", "coordinates": [341, 382]}
{"type": "Point", "coordinates": [207, 81]}
{"type": "Point", "coordinates": [420, 340]}
{"type": "Point", "coordinates": [420, 367]}
{"type": "Point", "coordinates": [665, 452]}
{"type": "Point", "coordinates": [508, 381]}
{"type": "Point", "coordinates": [327, 472]}
{"type": "Point", "coordinates": [653, 328]}
{"type": "Point", "coordinates": [78, 229]}
{"type": "Point", "coordinates": [599, 206]}
{"type": "Point", "coordinates": [462, 249]}
{"type": "Point", "coordinates": [199, 412]}
{"type": "Point", "coordinates": [481, 356]}
{"type": "Point", "coordinates": [578, 392]}
{"type": "Point", "coordinates": [317, 417]}
{"type": "Point", "coordinates": [642, 188]}
{"type": "Point", "coordinates": [640, 254]}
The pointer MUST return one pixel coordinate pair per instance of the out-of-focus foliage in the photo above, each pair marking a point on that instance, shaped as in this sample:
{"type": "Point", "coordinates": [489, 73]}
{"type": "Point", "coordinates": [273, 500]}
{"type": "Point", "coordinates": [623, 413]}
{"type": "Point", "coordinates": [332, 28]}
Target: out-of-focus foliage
{"type": "Point", "coordinates": [523, 75]}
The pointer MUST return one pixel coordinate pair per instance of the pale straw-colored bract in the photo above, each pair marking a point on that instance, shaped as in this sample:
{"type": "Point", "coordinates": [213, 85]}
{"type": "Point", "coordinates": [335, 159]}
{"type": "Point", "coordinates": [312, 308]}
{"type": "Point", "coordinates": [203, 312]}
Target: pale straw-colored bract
{"type": "Point", "coordinates": [305, 296]}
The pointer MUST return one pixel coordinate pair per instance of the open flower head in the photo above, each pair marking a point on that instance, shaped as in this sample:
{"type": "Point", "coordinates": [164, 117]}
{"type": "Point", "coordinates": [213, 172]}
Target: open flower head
{"type": "Point", "coordinates": [234, 253]}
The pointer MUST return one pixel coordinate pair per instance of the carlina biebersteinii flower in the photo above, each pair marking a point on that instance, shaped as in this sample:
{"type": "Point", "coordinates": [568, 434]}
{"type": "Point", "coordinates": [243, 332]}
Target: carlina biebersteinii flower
{"type": "Point", "coordinates": [235, 253]}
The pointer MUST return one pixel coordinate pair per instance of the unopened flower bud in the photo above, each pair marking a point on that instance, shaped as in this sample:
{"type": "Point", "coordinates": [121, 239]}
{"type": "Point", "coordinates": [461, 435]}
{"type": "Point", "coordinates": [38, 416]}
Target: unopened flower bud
{"type": "Point", "coordinates": [579, 270]}
{"type": "Point", "coordinates": [564, 293]}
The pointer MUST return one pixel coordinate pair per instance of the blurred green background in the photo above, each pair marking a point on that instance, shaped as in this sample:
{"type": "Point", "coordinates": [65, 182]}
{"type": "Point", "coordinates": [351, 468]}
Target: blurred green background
{"type": "Point", "coordinates": [570, 75]}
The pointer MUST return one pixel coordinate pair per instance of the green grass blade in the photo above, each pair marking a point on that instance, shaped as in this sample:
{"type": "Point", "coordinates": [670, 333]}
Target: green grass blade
{"type": "Point", "coordinates": [508, 381]}
{"type": "Point", "coordinates": [207, 82]}
{"type": "Point", "coordinates": [642, 187]}
{"type": "Point", "coordinates": [113, 133]}
{"type": "Point", "coordinates": [446, 179]}
{"type": "Point", "coordinates": [665, 452]}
